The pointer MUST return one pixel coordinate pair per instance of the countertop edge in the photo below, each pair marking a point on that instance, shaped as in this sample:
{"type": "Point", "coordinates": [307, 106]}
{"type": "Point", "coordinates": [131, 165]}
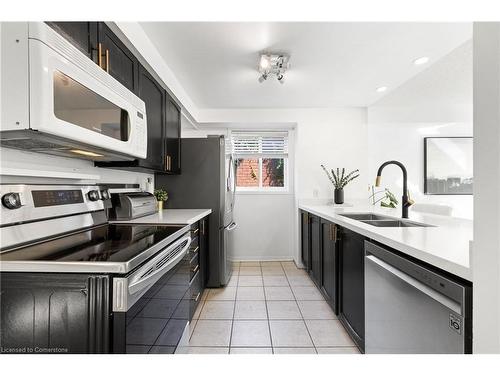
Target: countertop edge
{"type": "Point", "coordinates": [170, 216]}
{"type": "Point", "coordinates": [441, 263]}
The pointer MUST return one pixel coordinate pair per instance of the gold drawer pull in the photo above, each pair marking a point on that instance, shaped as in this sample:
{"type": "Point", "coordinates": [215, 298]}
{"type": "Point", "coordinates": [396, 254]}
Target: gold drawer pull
{"type": "Point", "coordinates": [193, 270]}
{"type": "Point", "coordinates": [195, 231]}
{"type": "Point", "coordinates": [197, 297]}
{"type": "Point", "coordinates": [195, 250]}
{"type": "Point", "coordinates": [99, 55]}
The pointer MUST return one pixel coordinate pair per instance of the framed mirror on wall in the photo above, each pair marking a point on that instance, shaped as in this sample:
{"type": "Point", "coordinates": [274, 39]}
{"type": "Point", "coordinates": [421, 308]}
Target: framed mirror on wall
{"type": "Point", "coordinates": [448, 165]}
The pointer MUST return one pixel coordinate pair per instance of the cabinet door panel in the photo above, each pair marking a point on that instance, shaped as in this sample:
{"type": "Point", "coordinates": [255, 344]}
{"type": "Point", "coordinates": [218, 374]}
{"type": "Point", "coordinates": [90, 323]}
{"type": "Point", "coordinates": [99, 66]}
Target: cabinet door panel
{"type": "Point", "coordinates": [82, 35]}
{"type": "Point", "coordinates": [120, 63]}
{"type": "Point", "coordinates": [329, 264]}
{"type": "Point", "coordinates": [154, 98]}
{"type": "Point", "coordinates": [203, 251]}
{"type": "Point", "coordinates": [173, 137]}
{"type": "Point", "coordinates": [316, 250]}
{"type": "Point", "coordinates": [352, 308]}
{"type": "Point", "coordinates": [306, 245]}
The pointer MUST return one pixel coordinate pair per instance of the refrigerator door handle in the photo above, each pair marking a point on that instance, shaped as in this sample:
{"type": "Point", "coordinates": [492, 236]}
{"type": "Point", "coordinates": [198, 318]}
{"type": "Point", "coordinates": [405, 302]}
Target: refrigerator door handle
{"type": "Point", "coordinates": [232, 226]}
{"type": "Point", "coordinates": [233, 167]}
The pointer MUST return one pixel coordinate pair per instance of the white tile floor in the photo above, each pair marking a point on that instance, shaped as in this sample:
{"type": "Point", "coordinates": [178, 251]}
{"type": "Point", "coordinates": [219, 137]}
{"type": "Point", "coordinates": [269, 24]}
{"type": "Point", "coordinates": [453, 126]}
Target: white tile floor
{"type": "Point", "coordinates": [267, 307]}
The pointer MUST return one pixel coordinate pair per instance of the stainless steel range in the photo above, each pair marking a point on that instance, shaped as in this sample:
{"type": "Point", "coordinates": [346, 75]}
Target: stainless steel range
{"type": "Point", "coordinates": [72, 282]}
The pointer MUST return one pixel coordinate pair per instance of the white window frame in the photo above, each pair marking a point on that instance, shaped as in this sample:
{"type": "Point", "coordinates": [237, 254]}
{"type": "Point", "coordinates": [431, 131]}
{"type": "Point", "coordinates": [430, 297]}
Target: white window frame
{"type": "Point", "coordinates": [265, 189]}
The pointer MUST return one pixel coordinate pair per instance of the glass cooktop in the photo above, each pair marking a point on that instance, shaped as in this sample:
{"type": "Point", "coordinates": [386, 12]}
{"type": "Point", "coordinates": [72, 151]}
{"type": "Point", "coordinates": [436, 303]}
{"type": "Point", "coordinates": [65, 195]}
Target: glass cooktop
{"type": "Point", "coordinates": [106, 243]}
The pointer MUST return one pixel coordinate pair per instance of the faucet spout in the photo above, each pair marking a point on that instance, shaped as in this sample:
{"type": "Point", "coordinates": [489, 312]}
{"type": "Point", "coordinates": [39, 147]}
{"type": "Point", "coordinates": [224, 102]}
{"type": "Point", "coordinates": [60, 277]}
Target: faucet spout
{"type": "Point", "coordinates": [405, 202]}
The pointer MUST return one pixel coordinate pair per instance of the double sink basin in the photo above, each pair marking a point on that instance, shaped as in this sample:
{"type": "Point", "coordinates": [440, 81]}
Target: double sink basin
{"type": "Point", "coordinates": [383, 221]}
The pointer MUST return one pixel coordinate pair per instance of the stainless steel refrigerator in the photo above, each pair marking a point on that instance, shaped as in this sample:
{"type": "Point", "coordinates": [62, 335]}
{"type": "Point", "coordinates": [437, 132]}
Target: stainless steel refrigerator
{"type": "Point", "coordinates": [207, 180]}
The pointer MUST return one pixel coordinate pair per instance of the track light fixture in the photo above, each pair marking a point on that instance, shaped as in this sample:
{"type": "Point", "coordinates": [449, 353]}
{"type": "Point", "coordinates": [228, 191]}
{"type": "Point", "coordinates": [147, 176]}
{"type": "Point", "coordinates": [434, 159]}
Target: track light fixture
{"type": "Point", "coordinates": [273, 64]}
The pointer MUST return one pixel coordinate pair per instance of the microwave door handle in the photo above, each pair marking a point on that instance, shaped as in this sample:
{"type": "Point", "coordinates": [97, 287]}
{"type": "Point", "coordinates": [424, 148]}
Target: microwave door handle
{"type": "Point", "coordinates": [141, 283]}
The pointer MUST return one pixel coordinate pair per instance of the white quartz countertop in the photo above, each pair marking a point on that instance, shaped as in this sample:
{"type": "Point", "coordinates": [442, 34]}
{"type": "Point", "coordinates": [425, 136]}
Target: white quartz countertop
{"type": "Point", "coordinates": [446, 245]}
{"type": "Point", "coordinates": [172, 216]}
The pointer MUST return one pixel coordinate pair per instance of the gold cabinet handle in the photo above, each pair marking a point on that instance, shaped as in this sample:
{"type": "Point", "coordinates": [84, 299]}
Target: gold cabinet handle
{"type": "Point", "coordinates": [99, 56]}
{"type": "Point", "coordinates": [195, 250]}
{"type": "Point", "coordinates": [168, 162]}
{"type": "Point", "coordinates": [107, 60]}
{"type": "Point", "coordinates": [197, 296]}
{"type": "Point", "coordinates": [193, 270]}
{"type": "Point", "coordinates": [195, 231]}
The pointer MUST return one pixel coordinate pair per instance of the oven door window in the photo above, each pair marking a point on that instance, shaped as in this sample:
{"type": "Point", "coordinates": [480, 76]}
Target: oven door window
{"type": "Point", "coordinates": [157, 322]}
{"type": "Point", "coordinates": [76, 104]}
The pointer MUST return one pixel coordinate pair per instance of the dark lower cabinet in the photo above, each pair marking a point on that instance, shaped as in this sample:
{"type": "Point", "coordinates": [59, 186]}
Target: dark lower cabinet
{"type": "Point", "coordinates": [315, 271]}
{"type": "Point", "coordinates": [329, 263]}
{"type": "Point", "coordinates": [352, 288]}
{"type": "Point", "coordinates": [83, 35]}
{"type": "Point", "coordinates": [198, 264]}
{"type": "Point", "coordinates": [204, 251]}
{"type": "Point", "coordinates": [305, 240]}
{"type": "Point", "coordinates": [55, 313]}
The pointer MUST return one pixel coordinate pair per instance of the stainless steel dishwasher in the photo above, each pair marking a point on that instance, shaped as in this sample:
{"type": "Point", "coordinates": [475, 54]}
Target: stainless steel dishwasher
{"type": "Point", "coordinates": [412, 309]}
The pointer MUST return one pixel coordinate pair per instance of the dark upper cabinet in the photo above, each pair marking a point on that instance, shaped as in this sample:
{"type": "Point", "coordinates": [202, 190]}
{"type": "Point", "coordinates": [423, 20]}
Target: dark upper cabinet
{"type": "Point", "coordinates": [173, 138]}
{"type": "Point", "coordinates": [82, 35]}
{"type": "Point", "coordinates": [305, 241]}
{"type": "Point", "coordinates": [329, 263]}
{"type": "Point", "coordinates": [154, 97]}
{"type": "Point", "coordinates": [117, 59]}
{"type": "Point", "coordinates": [352, 289]}
{"type": "Point", "coordinates": [101, 45]}
{"type": "Point", "coordinates": [315, 271]}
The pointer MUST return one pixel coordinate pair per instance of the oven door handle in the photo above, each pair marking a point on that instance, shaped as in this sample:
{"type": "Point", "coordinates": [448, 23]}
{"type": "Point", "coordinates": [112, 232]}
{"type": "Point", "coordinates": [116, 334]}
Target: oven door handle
{"type": "Point", "coordinates": [139, 281]}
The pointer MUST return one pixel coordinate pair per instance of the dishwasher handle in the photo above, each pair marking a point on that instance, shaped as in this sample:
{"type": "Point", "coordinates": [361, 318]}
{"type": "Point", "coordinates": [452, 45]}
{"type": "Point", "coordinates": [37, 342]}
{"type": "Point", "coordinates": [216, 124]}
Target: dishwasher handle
{"type": "Point", "coordinates": [442, 299]}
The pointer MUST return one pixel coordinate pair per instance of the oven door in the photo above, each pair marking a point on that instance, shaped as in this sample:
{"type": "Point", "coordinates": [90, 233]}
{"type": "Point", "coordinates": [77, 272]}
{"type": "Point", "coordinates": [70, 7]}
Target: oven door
{"type": "Point", "coordinates": [73, 98]}
{"type": "Point", "coordinates": [151, 305]}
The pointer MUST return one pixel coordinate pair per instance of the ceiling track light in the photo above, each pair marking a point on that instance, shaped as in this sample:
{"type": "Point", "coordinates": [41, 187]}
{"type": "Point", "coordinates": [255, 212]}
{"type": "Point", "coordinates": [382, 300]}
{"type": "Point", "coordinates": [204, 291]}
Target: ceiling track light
{"type": "Point", "coordinates": [421, 60]}
{"type": "Point", "coordinates": [273, 64]}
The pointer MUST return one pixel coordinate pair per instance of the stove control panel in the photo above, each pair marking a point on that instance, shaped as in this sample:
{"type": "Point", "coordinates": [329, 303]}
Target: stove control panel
{"type": "Point", "coordinates": [44, 198]}
{"type": "Point", "coordinates": [23, 202]}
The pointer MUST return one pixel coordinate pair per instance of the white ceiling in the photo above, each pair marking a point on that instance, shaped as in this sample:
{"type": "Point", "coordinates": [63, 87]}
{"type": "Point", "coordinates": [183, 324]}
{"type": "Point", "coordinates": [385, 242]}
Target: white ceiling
{"type": "Point", "coordinates": [332, 64]}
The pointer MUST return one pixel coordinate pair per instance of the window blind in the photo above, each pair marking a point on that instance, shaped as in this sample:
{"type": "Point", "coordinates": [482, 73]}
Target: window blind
{"type": "Point", "coordinates": [260, 144]}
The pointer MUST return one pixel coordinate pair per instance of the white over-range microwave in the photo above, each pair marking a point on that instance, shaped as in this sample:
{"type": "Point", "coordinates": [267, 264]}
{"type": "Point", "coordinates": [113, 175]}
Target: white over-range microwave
{"type": "Point", "coordinates": [55, 100]}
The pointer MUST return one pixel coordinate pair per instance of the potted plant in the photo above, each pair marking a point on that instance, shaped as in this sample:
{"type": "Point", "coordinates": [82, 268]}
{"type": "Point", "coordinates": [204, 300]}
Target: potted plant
{"type": "Point", "coordinates": [388, 199]}
{"type": "Point", "coordinates": [340, 179]}
{"type": "Point", "coordinates": [161, 196]}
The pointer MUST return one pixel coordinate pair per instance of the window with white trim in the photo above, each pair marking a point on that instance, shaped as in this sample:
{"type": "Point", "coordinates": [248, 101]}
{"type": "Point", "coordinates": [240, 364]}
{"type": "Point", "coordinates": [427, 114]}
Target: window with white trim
{"type": "Point", "coordinates": [261, 160]}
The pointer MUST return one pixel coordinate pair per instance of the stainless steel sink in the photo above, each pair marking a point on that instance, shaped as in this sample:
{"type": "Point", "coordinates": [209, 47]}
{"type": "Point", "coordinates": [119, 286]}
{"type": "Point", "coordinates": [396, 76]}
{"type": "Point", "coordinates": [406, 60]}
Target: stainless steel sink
{"type": "Point", "coordinates": [366, 216]}
{"type": "Point", "coordinates": [395, 223]}
{"type": "Point", "coordinates": [383, 221]}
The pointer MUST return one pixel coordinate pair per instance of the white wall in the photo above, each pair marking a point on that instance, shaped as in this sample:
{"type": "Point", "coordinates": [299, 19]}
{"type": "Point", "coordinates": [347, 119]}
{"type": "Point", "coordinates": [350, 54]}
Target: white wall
{"type": "Point", "coordinates": [486, 249]}
{"type": "Point", "coordinates": [436, 102]}
{"type": "Point", "coordinates": [25, 160]}
{"type": "Point", "coordinates": [265, 227]}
